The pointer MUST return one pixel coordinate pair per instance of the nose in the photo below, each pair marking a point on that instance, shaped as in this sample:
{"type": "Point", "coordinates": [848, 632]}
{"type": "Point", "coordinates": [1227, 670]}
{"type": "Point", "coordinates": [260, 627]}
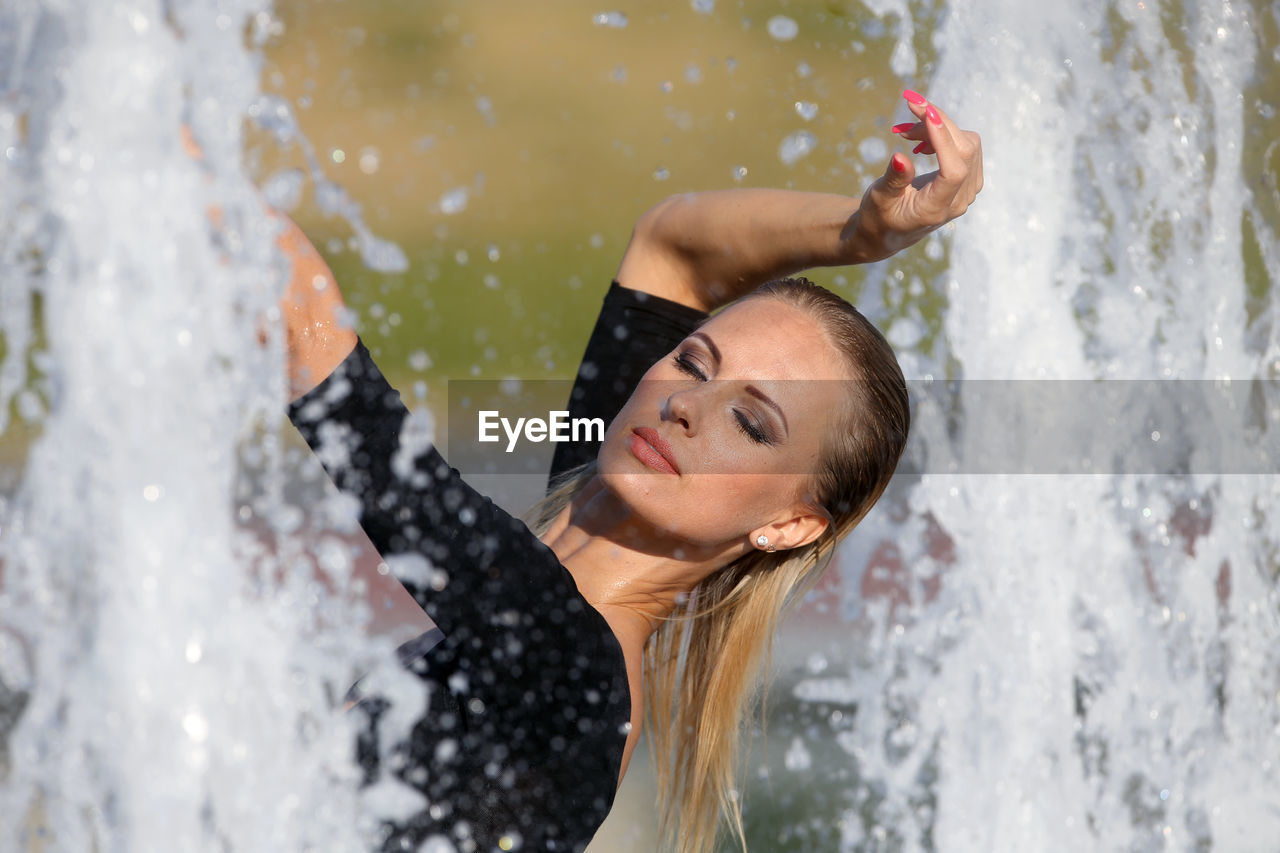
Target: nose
{"type": "Point", "coordinates": [681, 408]}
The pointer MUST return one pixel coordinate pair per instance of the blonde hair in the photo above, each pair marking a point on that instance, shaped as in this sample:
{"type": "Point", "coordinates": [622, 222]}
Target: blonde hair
{"type": "Point", "coordinates": [702, 667]}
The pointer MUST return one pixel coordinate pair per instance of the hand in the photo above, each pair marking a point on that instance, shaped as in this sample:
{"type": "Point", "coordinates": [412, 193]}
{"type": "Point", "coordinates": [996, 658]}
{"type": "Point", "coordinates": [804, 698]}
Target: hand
{"type": "Point", "coordinates": [901, 208]}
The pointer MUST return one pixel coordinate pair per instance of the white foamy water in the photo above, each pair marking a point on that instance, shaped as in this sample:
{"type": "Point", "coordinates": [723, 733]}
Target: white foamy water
{"type": "Point", "coordinates": [181, 657]}
{"type": "Point", "coordinates": [1100, 666]}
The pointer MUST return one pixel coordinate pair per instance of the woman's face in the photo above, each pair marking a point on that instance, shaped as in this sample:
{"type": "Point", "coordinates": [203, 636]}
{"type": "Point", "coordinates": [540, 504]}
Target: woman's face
{"type": "Point", "coordinates": [722, 436]}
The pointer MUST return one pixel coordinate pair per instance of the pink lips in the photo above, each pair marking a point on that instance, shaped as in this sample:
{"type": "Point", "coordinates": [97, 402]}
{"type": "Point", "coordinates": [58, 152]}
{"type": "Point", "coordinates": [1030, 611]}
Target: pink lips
{"type": "Point", "coordinates": [650, 449]}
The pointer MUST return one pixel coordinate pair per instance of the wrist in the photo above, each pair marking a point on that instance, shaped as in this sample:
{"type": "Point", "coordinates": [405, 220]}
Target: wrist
{"type": "Point", "coordinates": [858, 244]}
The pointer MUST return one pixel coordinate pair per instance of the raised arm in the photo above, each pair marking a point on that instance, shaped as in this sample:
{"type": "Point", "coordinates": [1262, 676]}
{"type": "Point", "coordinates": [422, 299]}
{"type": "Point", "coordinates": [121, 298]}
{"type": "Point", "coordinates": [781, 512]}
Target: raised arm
{"type": "Point", "coordinates": [707, 249]}
{"type": "Point", "coordinates": [319, 334]}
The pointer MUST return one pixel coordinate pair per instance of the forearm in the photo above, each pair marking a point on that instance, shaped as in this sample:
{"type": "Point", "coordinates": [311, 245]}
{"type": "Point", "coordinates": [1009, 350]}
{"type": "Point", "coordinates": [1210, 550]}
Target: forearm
{"type": "Point", "coordinates": [707, 249]}
{"type": "Point", "coordinates": [318, 333]}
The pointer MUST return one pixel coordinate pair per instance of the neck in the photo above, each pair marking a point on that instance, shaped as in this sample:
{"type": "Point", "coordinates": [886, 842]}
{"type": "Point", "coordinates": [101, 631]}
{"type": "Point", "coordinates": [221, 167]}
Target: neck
{"type": "Point", "coordinates": [634, 574]}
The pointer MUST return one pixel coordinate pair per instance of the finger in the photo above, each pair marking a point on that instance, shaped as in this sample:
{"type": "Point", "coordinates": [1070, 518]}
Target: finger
{"type": "Point", "coordinates": [898, 175]}
{"type": "Point", "coordinates": [912, 130]}
{"type": "Point", "coordinates": [952, 165]}
{"type": "Point", "coordinates": [916, 102]}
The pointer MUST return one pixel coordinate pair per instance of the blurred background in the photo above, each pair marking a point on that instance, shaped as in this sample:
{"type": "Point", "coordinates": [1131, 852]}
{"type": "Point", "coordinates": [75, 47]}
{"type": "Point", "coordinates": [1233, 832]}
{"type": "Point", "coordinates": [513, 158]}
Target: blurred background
{"type": "Point", "coordinates": [508, 148]}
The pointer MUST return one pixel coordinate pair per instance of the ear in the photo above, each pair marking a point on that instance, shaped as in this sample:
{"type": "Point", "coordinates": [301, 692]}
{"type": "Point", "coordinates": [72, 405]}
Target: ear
{"type": "Point", "coordinates": [801, 528]}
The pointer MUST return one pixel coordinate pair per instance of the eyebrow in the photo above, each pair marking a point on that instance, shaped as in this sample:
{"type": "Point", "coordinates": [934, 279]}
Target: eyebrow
{"type": "Point", "coordinates": [764, 398]}
{"type": "Point", "coordinates": [751, 389]}
{"type": "Point", "coordinates": [711, 345]}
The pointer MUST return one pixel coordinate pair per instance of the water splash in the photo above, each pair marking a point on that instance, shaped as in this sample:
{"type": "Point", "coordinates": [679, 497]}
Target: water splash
{"type": "Point", "coordinates": [177, 652]}
{"type": "Point", "coordinates": [1090, 662]}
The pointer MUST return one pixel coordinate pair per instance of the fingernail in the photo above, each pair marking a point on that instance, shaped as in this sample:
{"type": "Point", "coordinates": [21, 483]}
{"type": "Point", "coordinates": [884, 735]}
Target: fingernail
{"type": "Point", "coordinates": [918, 148]}
{"type": "Point", "coordinates": [914, 97]}
{"type": "Point", "coordinates": [899, 165]}
{"type": "Point", "coordinates": [903, 128]}
{"type": "Point", "coordinates": [932, 114]}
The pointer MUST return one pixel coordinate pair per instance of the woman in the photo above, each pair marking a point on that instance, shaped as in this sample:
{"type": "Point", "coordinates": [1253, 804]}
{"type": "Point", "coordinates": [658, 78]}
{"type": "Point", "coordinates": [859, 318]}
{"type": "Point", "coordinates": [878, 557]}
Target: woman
{"type": "Point", "coordinates": [647, 588]}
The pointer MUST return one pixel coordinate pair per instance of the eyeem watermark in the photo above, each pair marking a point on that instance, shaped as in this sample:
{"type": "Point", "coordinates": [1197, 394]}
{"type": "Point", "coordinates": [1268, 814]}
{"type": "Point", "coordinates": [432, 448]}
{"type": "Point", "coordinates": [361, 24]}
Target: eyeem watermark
{"type": "Point", "coordinates": [972, 426]}
{"type": "Point", "coordinates": [557, 427]}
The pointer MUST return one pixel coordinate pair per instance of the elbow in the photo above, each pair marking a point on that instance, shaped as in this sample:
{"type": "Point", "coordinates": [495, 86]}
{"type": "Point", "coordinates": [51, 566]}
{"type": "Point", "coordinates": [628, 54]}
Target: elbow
{"type": "Point", "coordinates": [661, 224]}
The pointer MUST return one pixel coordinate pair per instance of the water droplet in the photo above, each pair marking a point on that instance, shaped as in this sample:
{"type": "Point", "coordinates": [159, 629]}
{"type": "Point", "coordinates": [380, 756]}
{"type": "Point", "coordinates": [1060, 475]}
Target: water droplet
{"type": "Point", "coordinates": [666, 86]}
{"type": "Point", "coordinates": [152, 493]}
{"type": "Point", "coordinates": [693, 73]}
{"type": "Point", "coordinates": [873, 149]}
{"type": "Point", "coordinates": [283, 190]}
{"type": "Point", "coordinates": [739, 172]}
{"type": "Point", "coordinates": [796, 145]}
{"type": "Point", "coordinates": [661, 173]}
{"type": "Point", "coordinates": [703, 7]}
{"type": "Point", "coordinates": [196, 726]}
{"type": "Point", "coordinates": [803, 69]}
{"type": "Point", "coordinates": [617, 20]}
{"type": "Point", "coordinates": [380, 255]}
{"type": "Point", "coordinates": [369, 160]}
{"type": "Point", "coordinates": [337, 155]}
{"type": "Point", "coordinates": [783, 28]}
{"type": "Point", "coordinates": [454, 201]}
{"type": "Point", "coordinates": [446, 749]}
{"type": "Point", "coordinates": [492, 253]}
{"type": "Point", "coordinates": [807, 110]}
{"type": "Point", "coordinates": [194, 651]}
{"type": "Point", "coordinates": [797, 757]}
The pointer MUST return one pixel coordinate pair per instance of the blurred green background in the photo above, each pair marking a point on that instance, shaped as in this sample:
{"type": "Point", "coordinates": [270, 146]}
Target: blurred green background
{"type": "Point", "coordinates": [561, 126]}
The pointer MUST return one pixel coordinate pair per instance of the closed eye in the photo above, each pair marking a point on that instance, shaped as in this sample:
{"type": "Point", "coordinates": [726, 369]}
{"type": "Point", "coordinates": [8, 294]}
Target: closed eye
{"type": "Point", "coordinates": [750, 429]}
{"type": "Point", "coordinates": [689, 366]}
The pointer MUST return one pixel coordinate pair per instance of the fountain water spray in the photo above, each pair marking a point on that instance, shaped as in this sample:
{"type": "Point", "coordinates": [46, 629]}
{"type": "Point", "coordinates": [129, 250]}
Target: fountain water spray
{"type": "Point", "coordinates": [178, 654]}
{"type": "Point", "coordinates": [1099, 666]}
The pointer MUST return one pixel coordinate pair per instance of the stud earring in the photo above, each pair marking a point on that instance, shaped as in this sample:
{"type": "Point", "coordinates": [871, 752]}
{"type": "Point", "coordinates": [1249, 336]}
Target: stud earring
{"type": "Point", "coordinates": [762, 541]}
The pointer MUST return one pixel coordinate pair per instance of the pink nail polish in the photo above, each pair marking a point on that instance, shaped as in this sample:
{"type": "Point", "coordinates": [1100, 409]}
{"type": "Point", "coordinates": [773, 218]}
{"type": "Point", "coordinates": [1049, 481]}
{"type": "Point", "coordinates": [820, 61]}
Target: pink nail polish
{"type": "Point", "coordinates": [898, 164]}
{"type": "Point", "coordinates": [914, 97]}
{"type": "Point", "coordinates": [918, 148]}
{"type": "Point", "coordinates": [902, 128]}
{"type": "Point", "coordinates": [932, 114]}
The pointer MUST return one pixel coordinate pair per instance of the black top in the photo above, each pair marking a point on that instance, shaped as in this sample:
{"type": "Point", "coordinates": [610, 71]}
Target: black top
{"type": "Point", "coordinates": [528, 701]}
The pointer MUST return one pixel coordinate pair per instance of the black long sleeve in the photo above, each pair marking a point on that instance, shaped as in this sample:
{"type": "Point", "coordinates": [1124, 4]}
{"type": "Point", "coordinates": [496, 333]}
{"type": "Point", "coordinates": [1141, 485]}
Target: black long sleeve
{"type": "Point", "coordinates": [529, 703]}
